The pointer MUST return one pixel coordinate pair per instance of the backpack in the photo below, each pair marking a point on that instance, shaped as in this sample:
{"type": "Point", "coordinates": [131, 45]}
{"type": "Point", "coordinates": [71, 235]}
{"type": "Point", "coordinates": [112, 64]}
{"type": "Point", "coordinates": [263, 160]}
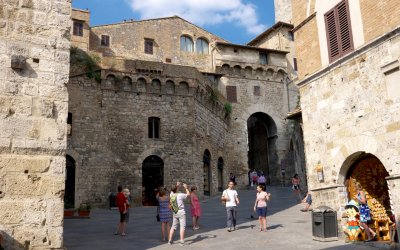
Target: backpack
{"type": "Point", "coordinates": [173, 203]}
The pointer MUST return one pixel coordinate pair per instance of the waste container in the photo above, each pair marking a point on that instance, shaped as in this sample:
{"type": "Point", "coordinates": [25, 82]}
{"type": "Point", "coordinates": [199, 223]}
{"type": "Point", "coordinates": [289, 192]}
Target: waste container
{"type": "Point", "coordinates": [113, 200]}
{"type": "Point", "coordinates": [324, 224]}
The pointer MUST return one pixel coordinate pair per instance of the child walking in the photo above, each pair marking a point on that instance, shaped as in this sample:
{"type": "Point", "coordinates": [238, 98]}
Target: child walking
{"type": "Point", "coordinates": [260, 206]}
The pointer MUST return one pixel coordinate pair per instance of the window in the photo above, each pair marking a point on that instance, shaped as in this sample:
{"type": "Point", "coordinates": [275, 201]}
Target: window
{"type": "Point", "coordinates": [231, 95]}
{"type": "Point", "coordinates": [78, 28]}
{"type": "Point", "coordinates": [295, 64]}
{"type": "Point", "coordinates": [186, 44]}
{"type": "Point", "coordinates": [201, 46]}
{"type": "Point", "coordinates": [257, 91]}
{"type": "Point", "coordinates": [338, 31]}
{"type": "Point", "coordinates": [290, 36]}
{"type": "Point", "coordinates": [69, 123]}
{"type": "Point", "coordinates": [263, 58]}
{"type": "Point", "coordinates": [148, 46]}
{"type": "Point", "coordinates": [154, 127]}
{"type": "Point", "coordinates": [105, 40]}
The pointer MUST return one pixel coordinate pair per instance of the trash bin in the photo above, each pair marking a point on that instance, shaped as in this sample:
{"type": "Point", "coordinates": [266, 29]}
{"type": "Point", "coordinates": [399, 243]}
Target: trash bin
{"type": "Point", "coordinates": [324, 224]}
{"type": "Point", "coordinates": [113, 200]}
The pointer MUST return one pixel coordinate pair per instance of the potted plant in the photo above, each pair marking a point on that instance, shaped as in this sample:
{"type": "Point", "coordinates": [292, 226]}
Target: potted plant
{"type": "Point", "coordinates": [69, 210]}
{"type": "Point", "coordinates": [84, 210]}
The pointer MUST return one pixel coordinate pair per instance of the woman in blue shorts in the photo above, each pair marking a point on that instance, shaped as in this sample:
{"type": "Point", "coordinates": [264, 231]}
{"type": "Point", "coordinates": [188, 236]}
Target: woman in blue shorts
{"type": "Point", "coordinates": [260, 206]}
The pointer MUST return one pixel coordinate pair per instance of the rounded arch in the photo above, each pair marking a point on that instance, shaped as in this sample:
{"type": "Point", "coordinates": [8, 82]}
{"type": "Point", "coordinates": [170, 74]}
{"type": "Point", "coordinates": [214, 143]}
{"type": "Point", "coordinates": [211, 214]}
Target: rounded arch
{"type": "Point", "coordinates": [156, 86]}
{"type": "Point", "coordinates": [152, 179]}
{"type": "Point", "coordinates": [262, 137]}
{"type": "Point", "coordinates": [202, 45]}
{"type": "Point", "coordinates": [186, 43]}
{"type": "Point", "coordinates": [259, 71]}
{"type": "Point", "coordinates": [183, 88]}
{"type": "Point", "coordinates": [110, 80]}
{"type": "Point", "coordinates": [237, 69]}
{"type": "Point", "coordinates": [127, 83]}
{"type": "Point", "coordinates": [225, 67]}
{"type": "Point", "coordinates": [207, 172]}
{"type": "Point", "coordinates": [170, 87]}
{"type": "Point", "coordinates": [141, 84]}
{"type": "Point", "coordinates": [248, 70]}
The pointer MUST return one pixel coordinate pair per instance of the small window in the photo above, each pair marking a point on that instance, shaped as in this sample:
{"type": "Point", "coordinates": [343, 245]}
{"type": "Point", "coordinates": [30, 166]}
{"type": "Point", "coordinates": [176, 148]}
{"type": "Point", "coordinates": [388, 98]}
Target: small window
{"type": "Point", "coordinates": [69, 124]}
{"type": "Point", "coordinates": [148, 46]}
{"type": "Point", "coordinates": [186, 44]}
{"type": "Point", "coordinates": [154, 127]}
{"type": "Point", "coordinates": [78, 28]}
{"type": "Point", "coordinates": [295, 64]}
{"type": "Point", "coordinates": [263, 59]}
{"type": "Point", "coordinates": [290, 36]}
{"type": "Point", "coordinates": [231, 94]}
{"type": "Point", "coordinates": [257, 91]}
{"type": "Point", "coordinates": [201, 46]}
{"type": "Point", "coordinates": [105, 40]}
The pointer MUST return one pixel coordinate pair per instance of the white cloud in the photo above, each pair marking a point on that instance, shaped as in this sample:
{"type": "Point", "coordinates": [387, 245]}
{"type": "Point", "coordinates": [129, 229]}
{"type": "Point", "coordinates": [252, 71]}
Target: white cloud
{"type": "Point", "coordinates": [202, 12]}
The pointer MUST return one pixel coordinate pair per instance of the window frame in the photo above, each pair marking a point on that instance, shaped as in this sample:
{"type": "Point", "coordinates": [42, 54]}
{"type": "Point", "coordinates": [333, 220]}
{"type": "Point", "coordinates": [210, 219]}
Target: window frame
{"type": "Point", "coordinates": [202, 42]}
{"type": "Point", "coordinates": [154, 127]}
{"type": "Point", "coordinates": [77, 29]}
{"type": "Point", "coordinates": [105, 42]}
{"type": "Point", "coordinates": [184, 47]}
{"type": "Point", "coordinates": [261, 56]}
{"type": "Point", "coordinates": [148, 46]}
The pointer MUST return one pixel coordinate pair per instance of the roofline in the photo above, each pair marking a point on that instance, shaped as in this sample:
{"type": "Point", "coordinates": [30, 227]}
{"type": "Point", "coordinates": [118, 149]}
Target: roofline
{"type": "Point", "coordinates": [270, 30]}
{"type": "Point", "coordinates": [159, 18]}
{"type": "Point", "coordinates": [253, 48]}
{"type": "Point", "coordinates": [81, 10]}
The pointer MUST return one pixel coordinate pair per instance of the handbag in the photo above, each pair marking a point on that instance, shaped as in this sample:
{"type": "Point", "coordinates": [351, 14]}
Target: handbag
{"type": "Point", "coordinates": [158, 217]}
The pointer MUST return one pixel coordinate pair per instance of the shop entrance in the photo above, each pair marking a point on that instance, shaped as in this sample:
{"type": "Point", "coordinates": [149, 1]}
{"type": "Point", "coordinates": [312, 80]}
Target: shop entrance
{"type": "Point", "coordinates": [370, 173]}
{"type": "Point", "coordinates": [207, 172]}
{"type": "Point", "coordinates": [69, 195]}
{"type": "Point", "coordinates": [262, 136]}
{"type": "Point", "coordinates": [152, 178]}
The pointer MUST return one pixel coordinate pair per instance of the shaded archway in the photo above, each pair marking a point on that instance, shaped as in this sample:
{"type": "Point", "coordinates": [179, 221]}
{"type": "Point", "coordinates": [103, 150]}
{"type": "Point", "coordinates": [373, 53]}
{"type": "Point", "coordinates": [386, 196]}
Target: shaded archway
{"type": "Point", "coordinates": [152, 178]}
{"type": "Point", "coordinates": [207, 172]}
{"type": "Point", "coordinates": [262, 136]}
{"type": "Point", "coordinates": [69, 195]}
{"type": "Point", "coordinates": [369, 171]}
{"type": "Point", "coordinates": [220, 174]}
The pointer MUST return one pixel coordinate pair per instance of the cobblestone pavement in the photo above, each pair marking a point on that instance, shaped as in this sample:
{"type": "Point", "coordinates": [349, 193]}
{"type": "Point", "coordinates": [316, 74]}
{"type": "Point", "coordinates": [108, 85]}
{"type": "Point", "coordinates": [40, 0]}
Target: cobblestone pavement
{"type": "Point", "coordinates": [288, 228]}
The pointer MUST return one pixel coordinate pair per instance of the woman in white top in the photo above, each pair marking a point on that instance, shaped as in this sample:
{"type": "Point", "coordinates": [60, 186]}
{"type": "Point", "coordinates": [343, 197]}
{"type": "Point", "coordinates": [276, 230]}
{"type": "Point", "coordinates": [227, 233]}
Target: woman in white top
{"type": "Point", "coordinates": [230, 197]}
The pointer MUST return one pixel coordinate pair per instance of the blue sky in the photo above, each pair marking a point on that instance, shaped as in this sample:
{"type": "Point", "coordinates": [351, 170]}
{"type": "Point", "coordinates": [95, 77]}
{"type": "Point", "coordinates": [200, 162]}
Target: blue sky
{"type": "Point", "coordinates": [237, 21]}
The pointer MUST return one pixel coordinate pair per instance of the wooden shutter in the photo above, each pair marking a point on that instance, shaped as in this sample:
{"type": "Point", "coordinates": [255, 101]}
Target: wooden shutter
{"type": "Point", "coordinates": [231, 93]}
{"type": "Point", "coordinates": [338, 31]}
{"type": "Point", "coordinates": [148, 46]}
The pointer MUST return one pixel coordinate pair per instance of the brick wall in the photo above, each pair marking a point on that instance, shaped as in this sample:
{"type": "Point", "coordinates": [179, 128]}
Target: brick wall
{"type": "Point", "coordinates": [34, 67]}
{"type": "Point", "coordinates": [299, 8]}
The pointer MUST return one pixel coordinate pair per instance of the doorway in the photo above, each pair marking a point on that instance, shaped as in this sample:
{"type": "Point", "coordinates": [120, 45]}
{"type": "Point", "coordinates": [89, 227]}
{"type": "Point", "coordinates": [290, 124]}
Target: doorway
{"type": "Point", "coordinates": [69, 195]}
{"type": "Point", "coordinates": [152, 179]}
{"type": "Point", "coordinates": [220, 174]}
{"type": "Point", "coordinates": [207, 172]}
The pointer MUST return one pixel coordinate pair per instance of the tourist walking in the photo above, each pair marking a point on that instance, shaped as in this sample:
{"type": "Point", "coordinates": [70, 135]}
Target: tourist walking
{"type": "Point", "coordinates": [121, 201]}
{"type": "Point", "coordinates": [296, 186]}
{"type": "Point", "coordinates": [232, 178]}
{"type": "Point", "coordinates": [231, 199]}
{"type": "Point", "coordinates": [164, 212]}
{"type": "Point", "coordinates": [307, 200]}
{"type": "Point", "coordinates": [179, 214]}
{"type": "Point", "coordinates": [365, 214]}
{"type": "Point", "coordinates": [195, 209]}
{"type": "Point", "coordinates": [260, 206]}
{"type": "Point", "coordinates": [262, 180]}
{"type": "Point", "coordinates": [254, 178]}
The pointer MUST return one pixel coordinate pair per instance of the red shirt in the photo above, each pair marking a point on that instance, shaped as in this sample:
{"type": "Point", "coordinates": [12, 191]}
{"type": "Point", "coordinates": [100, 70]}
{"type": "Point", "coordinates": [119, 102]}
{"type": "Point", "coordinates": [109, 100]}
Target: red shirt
{"type": "Point", "coordinates": [121, 200]}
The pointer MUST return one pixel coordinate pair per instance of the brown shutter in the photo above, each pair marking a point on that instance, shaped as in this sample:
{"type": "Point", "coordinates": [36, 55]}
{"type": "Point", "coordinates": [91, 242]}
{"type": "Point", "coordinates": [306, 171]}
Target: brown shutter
{"type": "Point", "coordinates": [332, 35]}
{"type": "Point", "coordinates": [345, 28]}
{"type": "Point", "coordinates": [231, 93]}
{"type": "Point", "coordinates": [148, 46]}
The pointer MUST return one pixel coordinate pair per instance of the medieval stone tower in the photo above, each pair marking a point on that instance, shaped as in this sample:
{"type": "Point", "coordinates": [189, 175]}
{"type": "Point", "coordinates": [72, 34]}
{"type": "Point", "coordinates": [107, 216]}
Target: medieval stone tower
{"type": "Point", "coordinates": [283, 11]}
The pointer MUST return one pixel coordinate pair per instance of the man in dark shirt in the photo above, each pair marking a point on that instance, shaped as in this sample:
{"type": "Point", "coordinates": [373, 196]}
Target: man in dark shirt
{"type": "Point", "coordinates": [122, 207]}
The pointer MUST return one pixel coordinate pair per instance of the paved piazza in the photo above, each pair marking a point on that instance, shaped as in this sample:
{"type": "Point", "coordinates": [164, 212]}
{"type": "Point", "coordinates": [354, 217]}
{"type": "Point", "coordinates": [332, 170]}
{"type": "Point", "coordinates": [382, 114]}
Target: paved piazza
{"type": "Point", "coordinates": [288, 228]}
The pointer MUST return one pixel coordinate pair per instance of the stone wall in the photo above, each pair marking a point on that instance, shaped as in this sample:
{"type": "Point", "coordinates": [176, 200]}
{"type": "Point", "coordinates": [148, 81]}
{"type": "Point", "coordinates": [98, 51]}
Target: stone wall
{"type": "Point", "coordinates": [283, 11]}
{"type": "Point", "coordinates": [350, 109]}
{"type": "Point", "coordinates": [34, 66]}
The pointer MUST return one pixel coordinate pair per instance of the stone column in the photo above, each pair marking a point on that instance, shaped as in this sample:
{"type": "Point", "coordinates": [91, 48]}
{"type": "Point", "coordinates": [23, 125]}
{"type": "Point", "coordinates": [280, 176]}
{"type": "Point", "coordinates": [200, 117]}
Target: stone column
{"type": "Point", "coordinates": [34, 71]}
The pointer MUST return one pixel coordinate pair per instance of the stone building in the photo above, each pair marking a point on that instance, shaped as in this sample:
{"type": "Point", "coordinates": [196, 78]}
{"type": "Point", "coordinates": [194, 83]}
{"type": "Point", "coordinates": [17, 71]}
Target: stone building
{"type": "Point", "coordinates": [170, 101]}
{"type": "Point", "coordinates": [34, 70]}
{"type": "Point", "coordinates": [348, 74]}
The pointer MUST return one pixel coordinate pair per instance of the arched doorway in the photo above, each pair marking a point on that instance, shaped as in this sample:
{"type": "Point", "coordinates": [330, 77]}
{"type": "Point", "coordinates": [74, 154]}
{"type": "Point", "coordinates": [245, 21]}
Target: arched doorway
{"type": "Point", "coordinates": [220, 174]}
{"type": "Point", "coordinates": [152, 178]}
{"type": "Point", "coordinates": [207, 172]}
{"type": "Point", "coordinates": [69, 194]}
{"type": "Point", "coordinates": [369, 171]}
{"type": "Point", "coordinates": [262, 136]}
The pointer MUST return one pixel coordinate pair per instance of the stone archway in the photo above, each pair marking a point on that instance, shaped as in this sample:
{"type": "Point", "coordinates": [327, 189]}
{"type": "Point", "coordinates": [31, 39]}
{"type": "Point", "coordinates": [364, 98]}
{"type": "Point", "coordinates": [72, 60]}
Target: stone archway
{"type": "Point", "coordinates": [262, 153]}
{"type": "Point", "coordinates": [207, 172]}
{"type": "Point", "coordinates": [69, 194]}
{"type": "Point", "coordinates": [369, 171]}
{"type": "Point", "coordinates": [152, 178]}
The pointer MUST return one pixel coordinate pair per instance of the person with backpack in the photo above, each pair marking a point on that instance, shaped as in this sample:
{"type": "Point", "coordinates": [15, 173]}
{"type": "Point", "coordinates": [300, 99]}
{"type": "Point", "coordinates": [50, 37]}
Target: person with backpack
{"type": "Point", "coordinates": [231, 199]}
{"type": "Point", "coordinates": [178, 209]}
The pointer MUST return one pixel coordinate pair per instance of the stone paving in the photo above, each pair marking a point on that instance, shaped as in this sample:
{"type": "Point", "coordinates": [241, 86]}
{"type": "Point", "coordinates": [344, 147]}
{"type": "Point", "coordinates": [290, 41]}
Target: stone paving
{"type": "Point", "coordinates": [288, 228]}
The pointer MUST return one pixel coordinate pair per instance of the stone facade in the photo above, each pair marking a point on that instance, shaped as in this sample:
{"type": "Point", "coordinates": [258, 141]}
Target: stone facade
{"type": "Point", "coordinates": [350, 107]}
{"type": "Point", "coordinates": [200, 143]}
{"type": "Point", "coordinates": [34, 68]}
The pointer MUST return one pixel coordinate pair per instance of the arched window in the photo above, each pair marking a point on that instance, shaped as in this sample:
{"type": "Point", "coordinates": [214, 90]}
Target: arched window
{"type": "Point", "coordinates": [202, 46]}
{"type": "Point", "coordinates": [154, 127]}
{"type": "Point", "coordinates": [186, 43]}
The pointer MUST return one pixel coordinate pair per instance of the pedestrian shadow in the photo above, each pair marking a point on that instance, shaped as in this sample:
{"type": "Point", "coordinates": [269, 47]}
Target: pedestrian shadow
{"type": "Point", "coordinates": [245, 227]}
{"type": "Point", "coordinates": [200, 238]}
{"type": "Point", "coordinates": [274, 226]}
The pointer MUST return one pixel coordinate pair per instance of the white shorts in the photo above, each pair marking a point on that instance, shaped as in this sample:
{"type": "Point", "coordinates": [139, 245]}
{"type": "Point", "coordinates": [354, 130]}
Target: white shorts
{"type": "Point", "coordinates": [179, 217]}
